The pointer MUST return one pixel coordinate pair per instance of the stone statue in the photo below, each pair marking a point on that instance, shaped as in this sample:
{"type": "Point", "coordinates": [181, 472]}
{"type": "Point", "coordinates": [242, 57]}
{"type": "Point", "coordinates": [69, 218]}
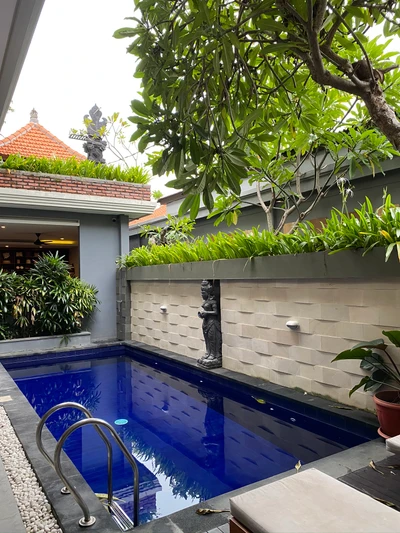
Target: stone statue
{"type": "Point", "coordinates": [94, 145]}
{"type": "Point", "coordinates": [94, 122]}
{"type": "Point", "coordinates": [211, 327]}
{"type": "Point", "coordinates": [94, 149]}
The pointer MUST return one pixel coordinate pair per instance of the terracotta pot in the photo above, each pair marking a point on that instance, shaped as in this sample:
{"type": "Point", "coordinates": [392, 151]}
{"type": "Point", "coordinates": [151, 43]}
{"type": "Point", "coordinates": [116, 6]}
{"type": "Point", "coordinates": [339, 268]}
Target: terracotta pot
{"type": "Point", "coordinates": [388, 412]}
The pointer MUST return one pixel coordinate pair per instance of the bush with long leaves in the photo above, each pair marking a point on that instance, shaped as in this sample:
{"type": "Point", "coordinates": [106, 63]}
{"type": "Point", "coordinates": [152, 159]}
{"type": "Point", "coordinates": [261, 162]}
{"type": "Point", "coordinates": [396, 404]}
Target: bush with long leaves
{"type": "Point", "coordinates": [363, 229]}
{"type": "Point", "coordinates": [73, 167]}
{"type": "Point", "coordinates": [46, 301]}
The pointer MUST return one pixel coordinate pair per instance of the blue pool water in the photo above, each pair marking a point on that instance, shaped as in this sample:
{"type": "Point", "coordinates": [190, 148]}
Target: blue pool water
{"type": "Point", "coordinates": [194, 436]}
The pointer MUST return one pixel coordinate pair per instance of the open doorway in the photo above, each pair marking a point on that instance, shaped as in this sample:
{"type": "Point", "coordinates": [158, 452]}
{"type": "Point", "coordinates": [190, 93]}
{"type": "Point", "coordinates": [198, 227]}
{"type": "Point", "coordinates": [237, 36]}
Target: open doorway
{"type": "Point", "coordinates": [23, 240]}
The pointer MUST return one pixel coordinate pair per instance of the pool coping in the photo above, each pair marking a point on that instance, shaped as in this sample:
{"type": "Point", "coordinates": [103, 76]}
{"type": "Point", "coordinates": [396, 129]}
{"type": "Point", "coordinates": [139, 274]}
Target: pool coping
{"type": "Point", "coordinates": [24, 420]}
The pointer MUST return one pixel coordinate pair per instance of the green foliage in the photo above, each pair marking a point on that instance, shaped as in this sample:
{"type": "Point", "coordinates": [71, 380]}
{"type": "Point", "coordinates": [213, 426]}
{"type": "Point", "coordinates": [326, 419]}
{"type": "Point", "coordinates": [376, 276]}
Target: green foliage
{"type": "Point", "coordinates": [364, 229]}
{"type": "Point", "coordinates": [156, 194]}
{"type": "Point", "coordinates": [382, 372]}
{"type": "Point", "coordinates": [177, 229]}
{"type": "Point", "coordinates": [73, 167]}
{"type": "Point", "coordinates": [47, 301]}
{"type": "Point", "coordinates": [231, 90]}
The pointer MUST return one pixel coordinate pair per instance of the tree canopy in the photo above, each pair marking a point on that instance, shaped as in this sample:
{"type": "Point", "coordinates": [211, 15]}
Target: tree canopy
{"type": "Point", "coordinates": [230, 86]}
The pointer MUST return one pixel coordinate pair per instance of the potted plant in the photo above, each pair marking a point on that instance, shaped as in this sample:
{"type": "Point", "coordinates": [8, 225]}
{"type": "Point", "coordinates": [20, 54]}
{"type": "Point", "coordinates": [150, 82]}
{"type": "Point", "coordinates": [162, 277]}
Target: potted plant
{"type": "Point", "coordinates": [382, 371]}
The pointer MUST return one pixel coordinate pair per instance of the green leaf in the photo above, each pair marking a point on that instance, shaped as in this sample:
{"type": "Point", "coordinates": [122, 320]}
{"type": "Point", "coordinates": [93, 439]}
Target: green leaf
{"type": "Point", "coordinates": [355, 353]}
{"type": "Point", "coordinates": [186, 204]}
{"type": "Point", "coordinates": [195, 151]}
{"type": "Point", "coordinates": [371, 362]}
{"type": "Point", "coordinates": [195, 207]}
{"type": "Point", "coordinates": [125, 32]}
{"type": "Point", "coordinates": [393, 336]}
{"type": "Point", "coordinates": [379, 344]}
{"type": "Point", "coordinates": [138, 107]}
{"type": "Point", "coordinates": [362, 383]}
{"type": "Point", "coordinates": [268, 24]}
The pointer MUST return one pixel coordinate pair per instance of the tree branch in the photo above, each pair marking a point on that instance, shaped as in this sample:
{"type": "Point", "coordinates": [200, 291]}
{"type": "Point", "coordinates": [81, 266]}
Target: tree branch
{"type": "Point", "coordinates": [350, 30]}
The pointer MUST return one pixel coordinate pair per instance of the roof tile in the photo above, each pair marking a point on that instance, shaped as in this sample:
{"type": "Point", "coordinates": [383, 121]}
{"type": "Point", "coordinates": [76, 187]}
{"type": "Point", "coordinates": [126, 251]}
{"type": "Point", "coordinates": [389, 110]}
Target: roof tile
{"type": "Point", "coordinates": [34, 139]}
{"type": "Point", "coordinates": [157, 213]}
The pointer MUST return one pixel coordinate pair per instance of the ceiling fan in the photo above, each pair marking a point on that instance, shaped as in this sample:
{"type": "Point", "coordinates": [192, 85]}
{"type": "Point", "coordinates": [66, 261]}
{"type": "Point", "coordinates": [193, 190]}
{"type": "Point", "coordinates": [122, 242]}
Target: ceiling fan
{"type": "Point", "coordinates": [39, 242]}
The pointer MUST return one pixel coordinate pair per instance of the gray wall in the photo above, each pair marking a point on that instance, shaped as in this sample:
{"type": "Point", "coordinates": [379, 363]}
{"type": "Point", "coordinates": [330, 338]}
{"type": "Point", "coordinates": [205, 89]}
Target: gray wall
{"type": "Point", "coordinates": [254, 216]}
{"type": "Point", "coordinates": [101, 241]}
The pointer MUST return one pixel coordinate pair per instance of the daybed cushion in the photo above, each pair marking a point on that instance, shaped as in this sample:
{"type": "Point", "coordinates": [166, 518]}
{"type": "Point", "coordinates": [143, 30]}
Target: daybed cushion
{"type": "Point", "coordinates": [393, 444]}
{"type": "Point", "coordinates": [312, 502]}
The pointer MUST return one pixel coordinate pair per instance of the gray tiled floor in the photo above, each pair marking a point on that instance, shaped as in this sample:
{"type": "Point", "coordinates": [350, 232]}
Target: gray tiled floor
{"type": "Point", "coordinates": [220, 529]}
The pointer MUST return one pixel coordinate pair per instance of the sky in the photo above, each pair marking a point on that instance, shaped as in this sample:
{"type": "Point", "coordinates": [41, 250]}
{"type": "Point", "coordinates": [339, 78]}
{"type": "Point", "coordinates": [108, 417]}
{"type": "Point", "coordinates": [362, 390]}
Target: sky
{"type": "Point", "coordinates": [73, 63]}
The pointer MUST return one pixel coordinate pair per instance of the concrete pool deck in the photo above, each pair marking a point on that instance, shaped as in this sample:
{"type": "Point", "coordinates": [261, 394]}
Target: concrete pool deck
{"type": "Point", "coordinates": [24, 420]}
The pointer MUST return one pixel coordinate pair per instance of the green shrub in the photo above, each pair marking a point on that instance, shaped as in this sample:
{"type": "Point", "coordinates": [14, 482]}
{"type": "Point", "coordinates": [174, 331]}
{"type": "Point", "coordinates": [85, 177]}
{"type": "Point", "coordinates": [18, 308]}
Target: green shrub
{"type": "Point", "coordinates": [46, 301]}
{"type": "Point", "coordinates": [73, 167]}
{"type": "Point", "coordinates": [365, 229]}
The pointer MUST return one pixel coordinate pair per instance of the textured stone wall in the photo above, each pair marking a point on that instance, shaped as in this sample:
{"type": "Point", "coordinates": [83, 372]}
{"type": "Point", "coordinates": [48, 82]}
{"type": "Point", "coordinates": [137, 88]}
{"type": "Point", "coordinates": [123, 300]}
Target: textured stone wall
{"type": "Point", "coordinates": [73, 185]}
{"type": "Point", "coordinates": [178, 330]}
{"type": "Point", "coordinates": [333, 316]}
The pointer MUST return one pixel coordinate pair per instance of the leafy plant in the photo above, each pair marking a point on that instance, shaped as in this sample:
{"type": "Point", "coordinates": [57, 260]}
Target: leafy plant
{"type": "Point", "coordinates": [239, 90]}
{"type": "Point", "coordinates": [175, 230]}
{"type": "Point", "coordinates": [46, 301]}
{"type": "Point", "coordinates": [363, 229]}
{"type": "Point", "coordinates": [382, 372]}
{"type": "Point", "coordinates": [73, 167]}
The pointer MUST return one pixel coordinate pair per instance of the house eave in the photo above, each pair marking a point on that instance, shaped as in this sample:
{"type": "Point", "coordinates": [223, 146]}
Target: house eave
{"type": "Point", "coordinates": [19, 29]}
{"type": "Point", "coordinates": [76, 203]}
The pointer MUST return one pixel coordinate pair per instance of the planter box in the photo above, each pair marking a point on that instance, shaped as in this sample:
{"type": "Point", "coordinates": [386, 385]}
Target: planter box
{"type": "Point", "coordinates": [39, 344]}
{"type": "Point", "coordinates": [348, 264]}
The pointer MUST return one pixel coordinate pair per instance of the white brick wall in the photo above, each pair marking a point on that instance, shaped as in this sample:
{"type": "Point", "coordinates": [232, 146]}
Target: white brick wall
{"type": "Point", "coordinates": [333, 316]}
{"type": "Point", "coordinates": [179, 330]}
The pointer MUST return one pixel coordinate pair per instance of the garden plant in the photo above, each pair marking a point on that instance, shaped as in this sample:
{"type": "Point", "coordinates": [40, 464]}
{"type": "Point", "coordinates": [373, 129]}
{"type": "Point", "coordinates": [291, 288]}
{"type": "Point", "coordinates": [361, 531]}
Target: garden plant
{"type": "Point", "coordinates": [45, 301]}
{"type": "Point", "coordinates": [365, 229]}
{"type": "Point", "coordinates": [73, 167]}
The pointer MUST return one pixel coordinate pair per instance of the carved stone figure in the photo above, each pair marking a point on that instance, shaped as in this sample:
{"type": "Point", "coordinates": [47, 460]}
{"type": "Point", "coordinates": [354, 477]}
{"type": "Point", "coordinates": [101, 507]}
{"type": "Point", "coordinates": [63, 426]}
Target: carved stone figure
{"type": "Point", "coordinates": [211, 327]}
{"type": "Point", "coordinates": [94, 145]}
{"type": "Point", "coordinates": [94, 122]}
{"type": "Point", "coordinates": [94, 149]}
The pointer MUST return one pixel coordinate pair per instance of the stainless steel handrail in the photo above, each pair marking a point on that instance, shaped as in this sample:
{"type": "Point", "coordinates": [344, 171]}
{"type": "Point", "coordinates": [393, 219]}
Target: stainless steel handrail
{"type": "Point", "coordinates": [87, 519]}
{"type": "Point", "coordinates": [88, 415]}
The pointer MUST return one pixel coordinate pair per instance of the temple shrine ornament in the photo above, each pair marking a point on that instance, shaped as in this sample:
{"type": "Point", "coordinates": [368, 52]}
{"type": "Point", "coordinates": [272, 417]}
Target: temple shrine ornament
{"type": "Point", "coordinates": [94, 145]}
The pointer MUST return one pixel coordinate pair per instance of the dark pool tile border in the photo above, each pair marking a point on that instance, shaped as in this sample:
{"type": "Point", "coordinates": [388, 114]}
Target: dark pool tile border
{"type": "Point", "coordinates": [319, 406]}
{"type": "Point", "coordinates": [24, 420]}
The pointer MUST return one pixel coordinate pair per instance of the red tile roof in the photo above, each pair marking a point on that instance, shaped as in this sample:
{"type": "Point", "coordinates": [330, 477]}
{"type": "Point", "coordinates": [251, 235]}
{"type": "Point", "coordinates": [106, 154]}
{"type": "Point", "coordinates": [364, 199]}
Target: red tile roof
{"type": "Point", "coordinates": [157, 213]}
{"type": "Point", "coordinates": [34, 139]}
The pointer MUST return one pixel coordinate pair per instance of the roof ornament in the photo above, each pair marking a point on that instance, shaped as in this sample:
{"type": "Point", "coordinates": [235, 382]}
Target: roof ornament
{"type": "Point", "coordinates": [34, 117]}
{"type": "Point", "coordinates": [94, 144]}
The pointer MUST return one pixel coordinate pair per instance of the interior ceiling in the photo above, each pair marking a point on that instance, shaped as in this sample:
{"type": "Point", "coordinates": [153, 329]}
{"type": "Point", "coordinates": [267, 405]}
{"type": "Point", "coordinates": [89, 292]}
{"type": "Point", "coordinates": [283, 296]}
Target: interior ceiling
{"type": "Point", "coordinates": [23, 235]}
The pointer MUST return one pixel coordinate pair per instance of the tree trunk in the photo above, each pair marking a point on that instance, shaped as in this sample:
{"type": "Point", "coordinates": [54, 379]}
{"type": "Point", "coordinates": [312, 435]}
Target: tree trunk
{"type": "Point", "coordinates": [383, 115]}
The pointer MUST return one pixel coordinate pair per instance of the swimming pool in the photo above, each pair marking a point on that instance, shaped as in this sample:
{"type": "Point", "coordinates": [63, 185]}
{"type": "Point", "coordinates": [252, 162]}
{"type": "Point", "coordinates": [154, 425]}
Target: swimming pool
{"type": "Point", "coordinates": [194, 435]}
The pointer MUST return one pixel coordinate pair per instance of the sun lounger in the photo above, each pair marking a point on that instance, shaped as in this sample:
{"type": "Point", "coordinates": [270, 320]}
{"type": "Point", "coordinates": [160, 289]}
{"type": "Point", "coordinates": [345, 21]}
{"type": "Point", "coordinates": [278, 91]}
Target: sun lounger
{"type": "Point", "coordinates": [310, 502]}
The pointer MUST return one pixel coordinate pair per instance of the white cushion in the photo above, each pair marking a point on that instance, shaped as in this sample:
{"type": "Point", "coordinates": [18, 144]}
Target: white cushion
{"type": "Point", "coordinates": [312, 502]}
{"type": "Point", "coordinates": [393, 444]}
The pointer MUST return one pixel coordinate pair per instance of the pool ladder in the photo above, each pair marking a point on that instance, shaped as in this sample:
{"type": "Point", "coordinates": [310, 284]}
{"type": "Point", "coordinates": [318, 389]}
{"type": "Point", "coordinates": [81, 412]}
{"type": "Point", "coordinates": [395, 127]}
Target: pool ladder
{"type": "Point", "coordinates": [120, 517]}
